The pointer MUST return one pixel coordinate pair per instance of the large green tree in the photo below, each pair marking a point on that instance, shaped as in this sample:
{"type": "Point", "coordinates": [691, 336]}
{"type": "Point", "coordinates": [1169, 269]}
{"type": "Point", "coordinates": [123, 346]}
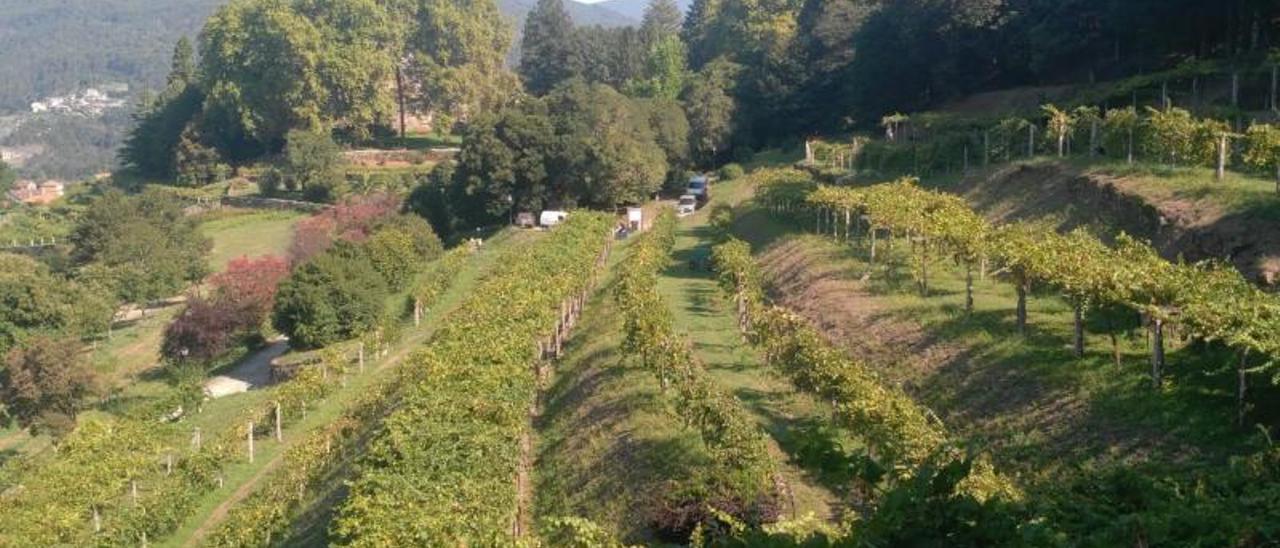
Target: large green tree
{"type": "Point", "coordinates": [547, 51]}
{"type": "Point", "coordinates": [44, 383]}
{"type": "Point", "coordinates": [34, 301]}
{"type": "Point", "coordinates": [269, 66]}
{"type": "Point", "coordinates": [334, 296]}
{"type": "Point", "coordinates": [610, 155]}
{"type": "Point", "coordinates": [153, 145]}
{"type": "Point", "coordinates": [457, 51]}
{"type": "Point", "coordinates": [506, 163]}
{"type": "Point", "coordinates": [711, 109]}
{"type": "Point", "coordinates": [144, 243]}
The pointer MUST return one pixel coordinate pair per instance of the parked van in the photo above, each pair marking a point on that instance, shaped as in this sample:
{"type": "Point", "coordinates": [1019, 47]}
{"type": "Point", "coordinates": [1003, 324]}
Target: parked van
{"type": "Point", "coordinates": [552, 217]}
{"type": "Point", "coordinates": [699, 188]}
{"type": "Point", "coordinates": [687, 205]}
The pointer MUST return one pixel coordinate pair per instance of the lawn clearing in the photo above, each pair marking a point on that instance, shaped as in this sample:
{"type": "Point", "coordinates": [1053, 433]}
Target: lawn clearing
{"type": "Point", "coordinates": [249, 233]}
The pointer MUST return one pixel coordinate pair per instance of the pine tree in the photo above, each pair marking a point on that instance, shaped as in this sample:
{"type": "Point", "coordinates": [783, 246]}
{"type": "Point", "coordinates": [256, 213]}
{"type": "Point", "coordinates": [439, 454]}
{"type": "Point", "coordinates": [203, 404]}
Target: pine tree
{"type": "Point", "coordinates": [183, 69]}
{"type": "Point", "coordinates": [547, 54]}
{"type": "Point", "coordinates": [661, 20]}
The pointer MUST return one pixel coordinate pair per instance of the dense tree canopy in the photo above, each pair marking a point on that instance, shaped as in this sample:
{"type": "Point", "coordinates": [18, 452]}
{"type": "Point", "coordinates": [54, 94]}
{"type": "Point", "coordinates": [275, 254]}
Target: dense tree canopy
{"type": "Point", "coordinates": [547, 52]}
{"type": "Point", "coordinates": [331, 297]}
{"type": "Point", "coordinates": [34, 301]}
{"type": "Point", "coordinates": [583, 144]}
{"type": "Point", "coordinates": [144, 244]}
{"type": "Point", "coordinates": [43, 385]}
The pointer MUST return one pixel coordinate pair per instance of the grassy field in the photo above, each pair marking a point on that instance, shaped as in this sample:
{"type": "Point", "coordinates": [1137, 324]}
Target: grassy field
{"type": "Point", "coordinates": [250, 233]}
{"type": "Point", "coordinates": [1040, 410]}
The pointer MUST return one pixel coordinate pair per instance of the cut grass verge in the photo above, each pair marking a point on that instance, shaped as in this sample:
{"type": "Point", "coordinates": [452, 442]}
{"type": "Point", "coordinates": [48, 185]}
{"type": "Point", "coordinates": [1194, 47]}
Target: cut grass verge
{"type": "Point", "coordinates": [249, 234]}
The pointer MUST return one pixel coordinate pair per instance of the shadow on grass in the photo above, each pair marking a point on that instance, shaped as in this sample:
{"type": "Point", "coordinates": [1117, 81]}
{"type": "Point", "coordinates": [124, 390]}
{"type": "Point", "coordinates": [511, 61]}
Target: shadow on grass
{"type": "Point", "coordinates": [825, 453]}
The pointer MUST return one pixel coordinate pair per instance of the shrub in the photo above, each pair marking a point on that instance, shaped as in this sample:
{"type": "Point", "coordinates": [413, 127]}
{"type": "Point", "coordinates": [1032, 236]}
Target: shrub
{"type": "Point", "coordinates": [425, 241]}
{"type": "Point", "coordinates": [334, 296]}
{"type": "Point", "coordinates": [43, 384]}
{"type": "Point", "coordinates": [205, 330]}
{"type": "Point", "coordinates": [393, 254]}
{"type": "Point", "coordinates": [731, 171]}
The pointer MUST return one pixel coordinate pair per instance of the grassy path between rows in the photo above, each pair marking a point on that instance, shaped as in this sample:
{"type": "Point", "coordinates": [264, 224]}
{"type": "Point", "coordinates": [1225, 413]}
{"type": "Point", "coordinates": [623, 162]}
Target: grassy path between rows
{"type": "Point", "coordinates": [789, 417]}
{"type": "Point", "coordinates": [242, 478]}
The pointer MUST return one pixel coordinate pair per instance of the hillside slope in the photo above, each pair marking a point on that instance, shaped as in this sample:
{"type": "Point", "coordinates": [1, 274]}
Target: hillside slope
{"type": "Point", "coordinates": [1184, 212]}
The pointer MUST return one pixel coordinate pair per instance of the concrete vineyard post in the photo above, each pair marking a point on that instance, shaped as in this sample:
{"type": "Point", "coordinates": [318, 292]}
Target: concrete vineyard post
{"type": "Point", "coordinates": [249, 435]}
{"type": "Point", "coordinates": [1221, 156]}
{"type": "Point", "coordinates": [279, 426]}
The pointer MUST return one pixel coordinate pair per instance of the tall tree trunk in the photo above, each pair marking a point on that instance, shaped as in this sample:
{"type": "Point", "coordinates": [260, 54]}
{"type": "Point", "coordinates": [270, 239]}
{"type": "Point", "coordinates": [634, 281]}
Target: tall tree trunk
{"type": "Point", "coordinates": [1093, 137]}
{"type": "Point", "coordinates": [1079, 328]}
{"type": "Point", "coordinates": [1062, 140]}
{"type": "Point", "coordinates": [1241, 387]}
{"type": "Point", "coordinates": [1021, 285]}
{"type": "Point", "coordinates": [968, 288]}
{"type": "Point", "coordinates": [1031, 140]}
{"type": "Point", "coordinates": [1235, 88]}
{"type": "Point", "coordinates": [1275, 81]}
{"type": "Point", "coordinates": [400, 99]}
{"type": "Point", "coordinates": [986, 148]}
{"type": "Point", "coordinates": [1157, 352]}
{"type": "Point", "coordinates": [1129, 146]}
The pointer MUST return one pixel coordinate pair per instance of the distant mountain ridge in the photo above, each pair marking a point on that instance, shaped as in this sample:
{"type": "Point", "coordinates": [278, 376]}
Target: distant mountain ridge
{"type": "Point", "coordinates": [634, 9]}
{"type": "Point", "coordinates": [57, 48]}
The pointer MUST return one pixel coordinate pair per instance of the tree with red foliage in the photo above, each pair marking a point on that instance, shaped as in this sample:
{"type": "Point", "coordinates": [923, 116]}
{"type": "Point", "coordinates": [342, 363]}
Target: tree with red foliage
{"type": "Point", "coordinates": [357, 216]}
{"type": "Point", "coordinates": [205, 330]}
{"type": "Point", "coordinates": [353, 220]}
{"type": "Point", "coordinates": [237, 308]}
{"type": "Point", "coordinates": [249, 285]}
{"type": "Point", "coordinates": [311, 236]}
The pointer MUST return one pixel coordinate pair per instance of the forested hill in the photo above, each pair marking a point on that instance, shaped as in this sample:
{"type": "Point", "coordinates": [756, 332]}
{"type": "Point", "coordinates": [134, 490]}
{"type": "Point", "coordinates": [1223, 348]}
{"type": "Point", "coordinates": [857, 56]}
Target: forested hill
{"type": "Point", "coordinates": [55, 47]}
{"type": "Point", "coordinates": [633, 9]}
